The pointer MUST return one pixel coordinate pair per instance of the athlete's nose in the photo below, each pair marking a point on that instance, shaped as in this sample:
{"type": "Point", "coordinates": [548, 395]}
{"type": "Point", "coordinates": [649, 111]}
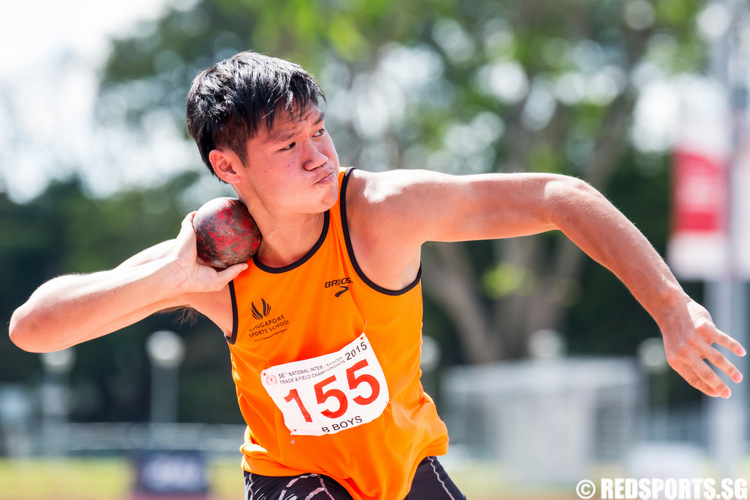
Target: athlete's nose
{"type": "Point", "coordinates": [314, 157]}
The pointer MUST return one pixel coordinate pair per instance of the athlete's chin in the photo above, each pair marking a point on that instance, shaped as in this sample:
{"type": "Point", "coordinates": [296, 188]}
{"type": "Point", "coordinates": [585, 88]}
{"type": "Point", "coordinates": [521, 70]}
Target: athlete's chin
{"type": "Point", "coordinates": [330, 200]}
{"type": "Point", "coordinates": [330, 186]}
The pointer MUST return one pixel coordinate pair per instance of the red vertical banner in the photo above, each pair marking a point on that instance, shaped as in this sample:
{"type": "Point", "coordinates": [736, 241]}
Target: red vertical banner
{"type": "Point", "coordinates": [698, 243]}
{"type": "Point", "coordinates": [700, 196]}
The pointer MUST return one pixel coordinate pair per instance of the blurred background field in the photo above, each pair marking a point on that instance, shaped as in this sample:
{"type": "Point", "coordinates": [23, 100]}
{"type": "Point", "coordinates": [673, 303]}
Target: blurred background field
{"type": "Point", "coordinates": [544, 367]}
{"type": "Point", "coordinates": [100, 478]}
{"type": "Point", "coordinates": [112, 479]}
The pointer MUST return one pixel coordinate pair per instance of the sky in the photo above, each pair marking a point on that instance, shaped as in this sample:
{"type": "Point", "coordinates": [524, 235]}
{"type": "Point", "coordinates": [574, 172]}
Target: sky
{"type": "Point", "coordinates": [51, 53]}
{"type": "Point", "coordinates": [41, 28]}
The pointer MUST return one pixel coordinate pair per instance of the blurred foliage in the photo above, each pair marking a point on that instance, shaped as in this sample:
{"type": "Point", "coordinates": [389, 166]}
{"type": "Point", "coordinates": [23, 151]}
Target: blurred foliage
{"type": "Point", "coordinates": [65, 230]}
{"type": "Point", "coordinates": [462, 87]}
{"type": "Point", "coordinates": [457, 86]}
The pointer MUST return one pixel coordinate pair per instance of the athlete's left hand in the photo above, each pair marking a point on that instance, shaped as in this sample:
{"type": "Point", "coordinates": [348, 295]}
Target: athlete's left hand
{"type": "Point", "coordinates": [690, 339]}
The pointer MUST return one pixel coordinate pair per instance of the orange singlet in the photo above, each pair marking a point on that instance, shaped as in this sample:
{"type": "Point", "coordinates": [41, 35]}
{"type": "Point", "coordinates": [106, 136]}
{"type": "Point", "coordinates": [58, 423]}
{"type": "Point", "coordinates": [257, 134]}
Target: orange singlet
{"type": "Point", "coordinates": [326, 366]}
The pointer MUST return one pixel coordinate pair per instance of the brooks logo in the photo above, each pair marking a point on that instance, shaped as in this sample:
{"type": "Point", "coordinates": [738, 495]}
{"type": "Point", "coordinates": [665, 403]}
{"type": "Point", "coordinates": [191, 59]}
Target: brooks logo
{"type": "Point", "coordinates": [342, 283]}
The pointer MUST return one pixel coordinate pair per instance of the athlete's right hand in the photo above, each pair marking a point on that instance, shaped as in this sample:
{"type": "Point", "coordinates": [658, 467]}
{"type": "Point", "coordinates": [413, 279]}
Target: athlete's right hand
{"type": "Point", "coordinates": [198, 276]}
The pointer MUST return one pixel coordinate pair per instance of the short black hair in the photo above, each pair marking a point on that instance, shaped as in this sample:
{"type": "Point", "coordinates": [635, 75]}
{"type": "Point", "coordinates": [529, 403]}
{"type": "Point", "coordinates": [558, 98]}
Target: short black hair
{"type": "Point", "coordinates": [228, 102]}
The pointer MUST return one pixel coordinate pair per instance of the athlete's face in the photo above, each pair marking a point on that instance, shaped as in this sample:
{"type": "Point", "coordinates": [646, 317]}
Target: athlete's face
{"type": "Point", "coordinates": [293, 167]}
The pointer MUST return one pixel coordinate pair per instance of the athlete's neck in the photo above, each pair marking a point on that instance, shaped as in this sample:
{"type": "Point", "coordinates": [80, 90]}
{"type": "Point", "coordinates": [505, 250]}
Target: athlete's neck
{"type": "Point", "coordinates": [284, 244]}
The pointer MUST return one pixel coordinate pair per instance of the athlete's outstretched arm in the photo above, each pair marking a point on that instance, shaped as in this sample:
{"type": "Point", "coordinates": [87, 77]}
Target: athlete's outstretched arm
{"type": "Point", "coordinates": [426, 206]}
{"type": "Point", "coordinates": [71, 309]}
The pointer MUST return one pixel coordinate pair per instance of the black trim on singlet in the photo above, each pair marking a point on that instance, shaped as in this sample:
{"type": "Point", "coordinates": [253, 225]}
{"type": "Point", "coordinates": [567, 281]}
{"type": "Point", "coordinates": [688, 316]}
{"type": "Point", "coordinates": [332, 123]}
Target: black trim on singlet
{"type": "Point", "coordinates": [276, 270]}
{"type": "Point", "coordinates": [235, 314]}
{"type": "Point", "coordinates": [350, 249]}
{"type": "Point", "coordinates": [308, 255]}
{"type": "Point", "coordinates": [305, 258]}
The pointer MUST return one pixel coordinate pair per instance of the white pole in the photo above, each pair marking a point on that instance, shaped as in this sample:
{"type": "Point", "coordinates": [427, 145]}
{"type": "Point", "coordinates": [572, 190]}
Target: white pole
{"type": "Point", "coordinates": [727, 298]}
{"type": "Point", "coordinates": [166, 350]}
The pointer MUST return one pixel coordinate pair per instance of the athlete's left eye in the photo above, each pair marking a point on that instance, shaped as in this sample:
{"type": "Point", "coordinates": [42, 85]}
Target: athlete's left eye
{"type": "Point", "coordinates": [319, 133]}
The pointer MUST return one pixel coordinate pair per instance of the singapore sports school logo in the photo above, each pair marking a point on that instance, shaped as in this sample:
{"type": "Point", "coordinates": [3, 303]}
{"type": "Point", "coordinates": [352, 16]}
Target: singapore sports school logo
{"type": "Point", "coordinates": [263, 312]}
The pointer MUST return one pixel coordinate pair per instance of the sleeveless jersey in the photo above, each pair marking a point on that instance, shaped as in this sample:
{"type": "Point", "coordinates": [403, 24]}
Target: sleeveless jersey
{"type": "Point", "coordinates": [326, 366]}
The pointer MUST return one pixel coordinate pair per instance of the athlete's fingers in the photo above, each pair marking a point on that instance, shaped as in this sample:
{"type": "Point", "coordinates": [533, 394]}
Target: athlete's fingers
{"type": "Point", "coordinates": [694, 380]}
{"type": "Point", "coordinates": [725, 340]}
{"type": "Point", "coordinates": [699, 375]}
{"type": "Point", "coordinates": [228, 274]}
{"type": "Point", "coordinates": [186, 229]}
{"type": "Point", "coordinates": [186, 248]}
{"type": "Point", "coordinates": [722, 363]}
{"type": "Point", "coordinates": [709, 352]}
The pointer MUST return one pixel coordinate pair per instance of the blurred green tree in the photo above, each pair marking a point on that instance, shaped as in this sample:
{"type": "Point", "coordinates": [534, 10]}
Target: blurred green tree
{"type": "Point", "coordinates": [463, 87]}
{"type": "Point", "coordinates": [67, 230]}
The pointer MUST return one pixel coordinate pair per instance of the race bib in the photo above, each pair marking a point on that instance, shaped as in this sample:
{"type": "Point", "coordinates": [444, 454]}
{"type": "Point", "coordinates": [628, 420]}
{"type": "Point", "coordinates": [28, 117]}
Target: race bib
{"type": "Point", "coordinates": [330, 393]}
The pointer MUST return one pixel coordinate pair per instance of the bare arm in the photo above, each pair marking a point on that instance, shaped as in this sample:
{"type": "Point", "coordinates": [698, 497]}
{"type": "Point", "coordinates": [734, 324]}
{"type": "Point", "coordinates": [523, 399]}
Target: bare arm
{"type": "Point", "coordinates": [72, 309]}
{"type": "Point", "coordinates": [419, 206]}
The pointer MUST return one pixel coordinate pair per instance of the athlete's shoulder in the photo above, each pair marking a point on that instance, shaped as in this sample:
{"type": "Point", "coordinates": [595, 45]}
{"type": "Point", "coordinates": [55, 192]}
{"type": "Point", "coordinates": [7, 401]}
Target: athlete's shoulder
{"type": "Point", "coordinates": [381, 229]}
{"type": "Point", "coordinates": [384, 201]}
{"type": "Point", "coordinates": [378, 187]}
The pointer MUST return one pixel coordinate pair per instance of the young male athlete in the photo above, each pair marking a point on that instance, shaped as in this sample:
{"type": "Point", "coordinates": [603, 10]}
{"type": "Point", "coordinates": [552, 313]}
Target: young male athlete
{"type": "Point", "coordinates": [324, 323]}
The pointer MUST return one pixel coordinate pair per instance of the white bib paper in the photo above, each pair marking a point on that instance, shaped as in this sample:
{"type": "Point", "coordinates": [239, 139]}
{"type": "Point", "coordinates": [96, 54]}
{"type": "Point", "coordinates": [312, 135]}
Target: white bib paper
{"type": "Point", "coordinates": [329, 393]}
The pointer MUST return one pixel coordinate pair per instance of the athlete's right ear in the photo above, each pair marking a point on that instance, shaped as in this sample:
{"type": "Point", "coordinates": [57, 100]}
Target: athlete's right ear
{"type": "Point", "coordinates": [225, 163]}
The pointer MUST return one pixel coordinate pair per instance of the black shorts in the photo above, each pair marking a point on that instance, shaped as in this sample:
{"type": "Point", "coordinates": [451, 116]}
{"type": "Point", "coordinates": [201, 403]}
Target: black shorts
{"type": "Point", "coordinates": [431, 482]}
